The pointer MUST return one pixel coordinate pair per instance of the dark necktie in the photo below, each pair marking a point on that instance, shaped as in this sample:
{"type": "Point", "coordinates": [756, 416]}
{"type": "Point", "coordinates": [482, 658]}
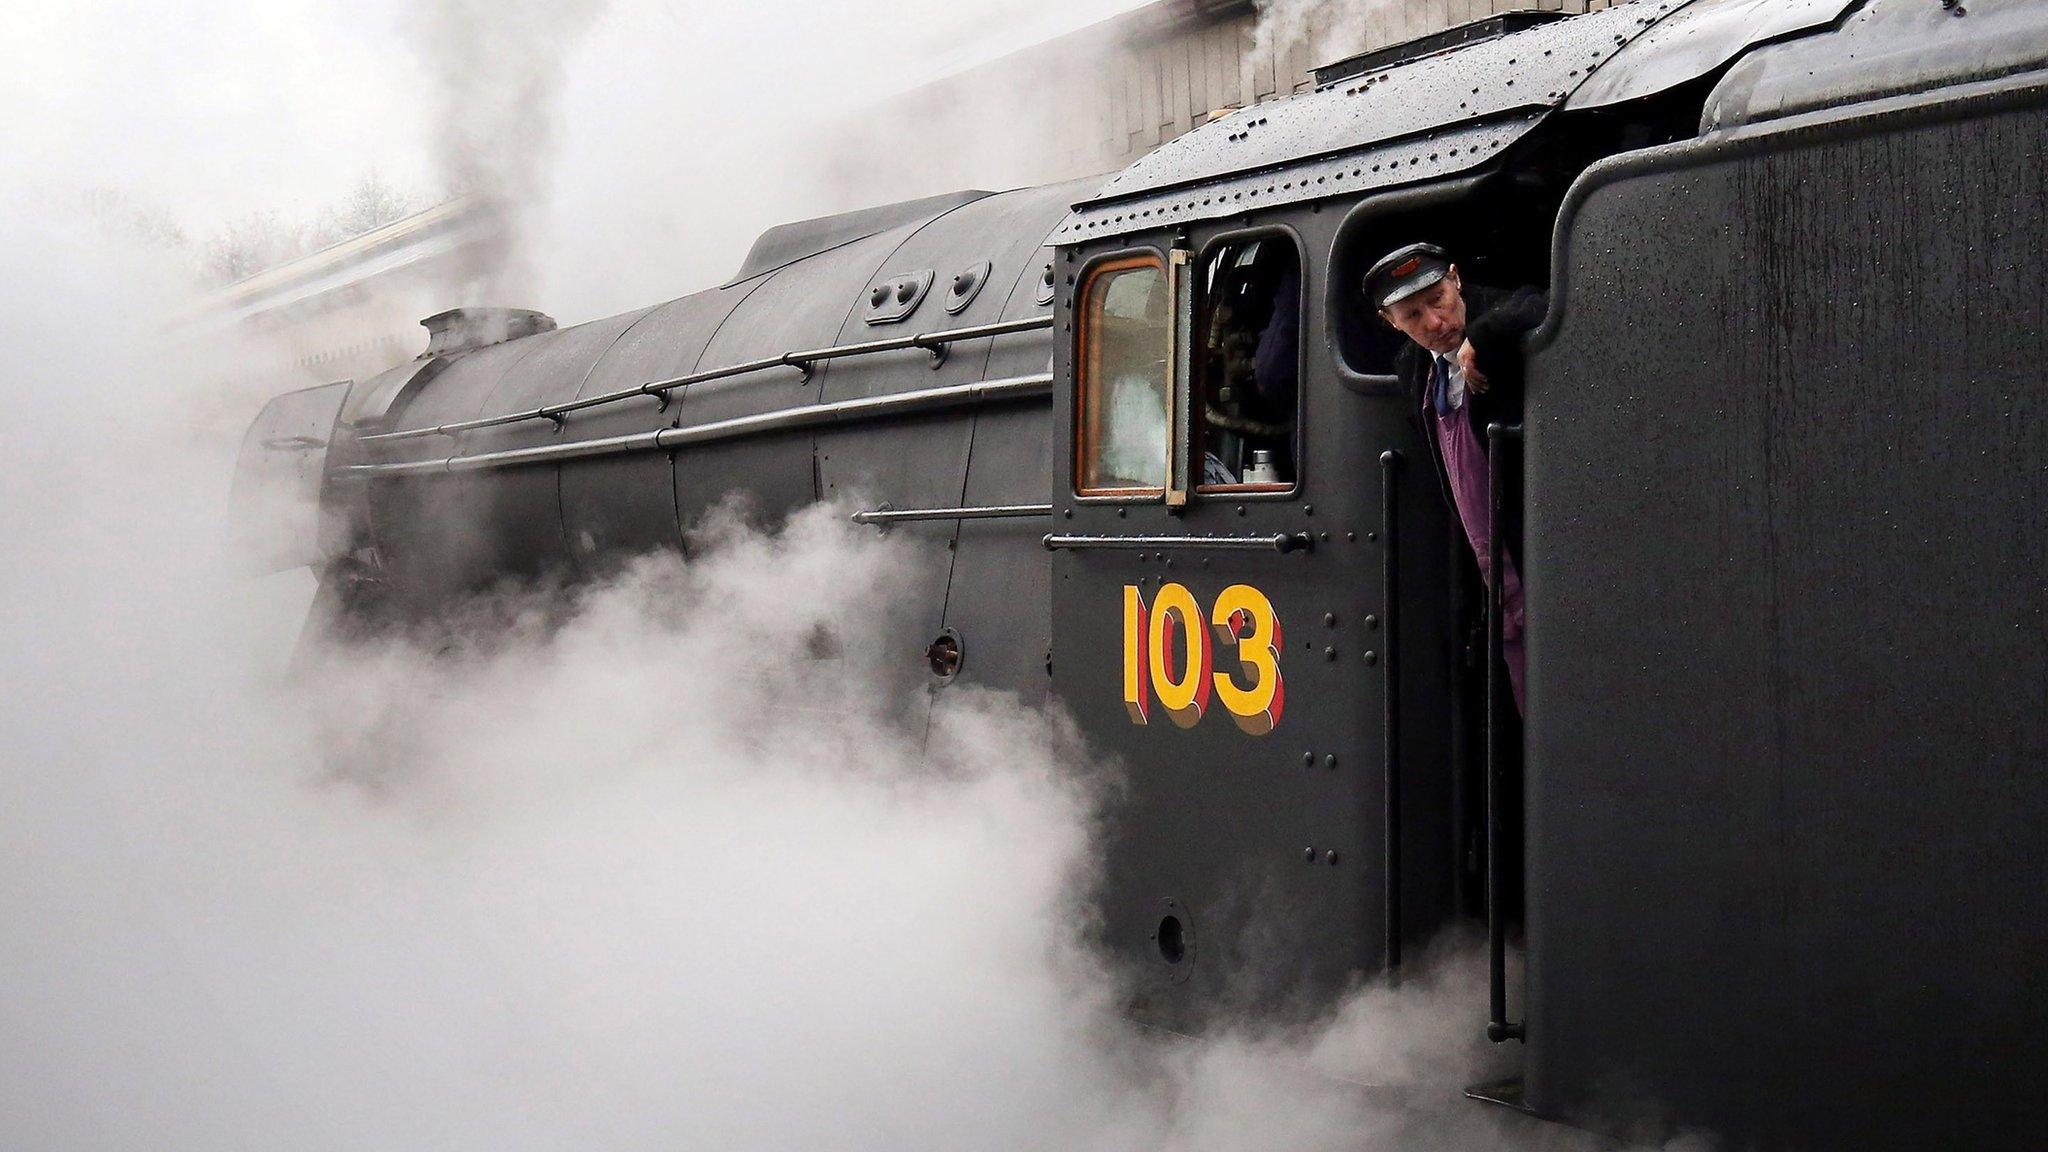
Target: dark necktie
{"type": "Point", "coordinates": [1440, 385]}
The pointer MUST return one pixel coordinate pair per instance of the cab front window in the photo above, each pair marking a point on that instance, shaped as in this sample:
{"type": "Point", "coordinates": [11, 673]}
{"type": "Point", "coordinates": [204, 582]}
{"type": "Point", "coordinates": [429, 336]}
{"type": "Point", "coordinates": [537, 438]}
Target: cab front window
{"type": "Point", "coordinates": [1248, 366]}
{"type": "Point", "coordinates": [1124, 403]}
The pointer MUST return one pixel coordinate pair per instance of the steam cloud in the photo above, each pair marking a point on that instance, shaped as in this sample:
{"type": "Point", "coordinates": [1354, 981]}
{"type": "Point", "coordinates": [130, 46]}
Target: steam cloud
{"type": "Point", "coordinates": [1339, 30]}
{"type": "Point", "coordinates": [498, 70]}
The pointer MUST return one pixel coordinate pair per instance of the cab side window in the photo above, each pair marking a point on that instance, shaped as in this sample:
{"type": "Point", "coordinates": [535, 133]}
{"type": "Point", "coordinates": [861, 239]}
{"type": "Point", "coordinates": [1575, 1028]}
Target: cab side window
{"type": "Point", "coordinates": [1124, 423]}
{"type": "Point", "coordinates": [1247, 364]}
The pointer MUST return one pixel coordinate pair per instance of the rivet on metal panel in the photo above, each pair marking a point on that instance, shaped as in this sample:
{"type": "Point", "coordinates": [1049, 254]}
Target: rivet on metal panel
{"type": "Point", "coordinates": [1330, 761]}
{"type": "Point", "coordinates": [1371, 658]}
{"type": "Point", "coordinates": [1308, 759]}
{"type": "Point", "coordinates": [1329, 619]}
{"type": "Point", "coordinates": [1330, 857]}
{"type": "Point", "coordinates": [1329, 653]}
{"type": "Point", "coordinates": [1372, 623]}
{"type": "Point", "coordinates": [1372, 537]}
{"type": "Point", "coordinates": [1308, 509]}
{"type": "Point", "coordinates": [1240, 509]}
{"type": "Point", "coordinates": [1308, 854]}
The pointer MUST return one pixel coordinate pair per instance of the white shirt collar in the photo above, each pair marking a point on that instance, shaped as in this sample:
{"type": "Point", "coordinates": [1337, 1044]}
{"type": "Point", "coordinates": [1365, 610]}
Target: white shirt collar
{"type": "Point", "coordinates": [1455, 391]}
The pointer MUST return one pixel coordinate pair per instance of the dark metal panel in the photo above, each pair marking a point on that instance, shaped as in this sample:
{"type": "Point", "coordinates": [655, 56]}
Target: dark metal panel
{"type": "Point", "coordinates": [1003, 232]}
{"type": "Point", "coordinates": [998, 600]}
{"type": "Point", "coordinates": [525, 515]}
{"type": "Point", "coordinates": [433, 537]}
{"type": "Point", "coordinates": [1000, 565]}
{"type": "Point", "coordinates": [623, 505]}
{"type": "Point", "coordinates": [804, 305]}
{"type": "Point", "coordinates": [1787, 650]}
{"type": "Point", "coordinates": [1889, 47]}
{"type": "Point", "coordinates": [456, 392]}
{"type": "Point", "coordinates": [430, 538]}
{"type": "Point", "coordinates": [1274, 846]}
{"type": "Point", "coordinates": [373, 402]}
{"type": "Point", "coordinates": [923, 462]}
{"type": "Point", "coordinates": [1698, 40]}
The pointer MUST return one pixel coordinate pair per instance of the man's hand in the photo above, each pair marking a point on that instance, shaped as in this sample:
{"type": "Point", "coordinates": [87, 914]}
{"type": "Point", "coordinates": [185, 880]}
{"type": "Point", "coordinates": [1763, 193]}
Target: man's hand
{"type": "Point", "coordinates": [1468, 363]}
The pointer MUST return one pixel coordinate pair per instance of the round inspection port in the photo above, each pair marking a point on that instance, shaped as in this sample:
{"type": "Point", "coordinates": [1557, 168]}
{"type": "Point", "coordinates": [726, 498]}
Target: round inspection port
{"type": "Point", "coordinates": [943, 656]}
{"type": "Point", "coordinates": [1173, 946]}
{"type": "Point", "coordinates": [1173, 941]}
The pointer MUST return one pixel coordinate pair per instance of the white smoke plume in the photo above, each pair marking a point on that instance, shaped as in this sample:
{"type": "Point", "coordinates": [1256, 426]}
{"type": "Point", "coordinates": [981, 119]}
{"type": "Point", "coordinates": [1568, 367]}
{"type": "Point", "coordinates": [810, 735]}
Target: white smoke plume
{"type": "Point", "coordinates": [1337, 30]}
{"type": "Point", "coordinates": [498, 70]}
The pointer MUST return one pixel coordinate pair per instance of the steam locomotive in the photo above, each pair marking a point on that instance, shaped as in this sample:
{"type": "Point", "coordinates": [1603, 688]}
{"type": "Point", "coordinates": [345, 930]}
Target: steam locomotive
{"type": "Point", "coordinates": [1775, 865]}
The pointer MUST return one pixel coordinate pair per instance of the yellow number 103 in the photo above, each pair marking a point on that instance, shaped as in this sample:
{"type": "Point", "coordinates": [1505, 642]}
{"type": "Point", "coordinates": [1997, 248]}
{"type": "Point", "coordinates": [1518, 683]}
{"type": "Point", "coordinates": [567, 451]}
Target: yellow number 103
{"type": "Point", "coordinates": [1169, 657]}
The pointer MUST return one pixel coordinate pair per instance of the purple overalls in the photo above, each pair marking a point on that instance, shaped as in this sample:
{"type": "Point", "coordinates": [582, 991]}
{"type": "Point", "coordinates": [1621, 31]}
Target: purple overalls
{"type": "Point", "coordinates": [1470, 474]}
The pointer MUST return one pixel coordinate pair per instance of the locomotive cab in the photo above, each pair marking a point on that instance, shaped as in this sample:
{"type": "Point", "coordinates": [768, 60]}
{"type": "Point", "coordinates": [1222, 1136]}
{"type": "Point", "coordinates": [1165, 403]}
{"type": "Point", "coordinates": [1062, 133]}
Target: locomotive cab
{"type": "Point", "coordinates": [1260, 599]}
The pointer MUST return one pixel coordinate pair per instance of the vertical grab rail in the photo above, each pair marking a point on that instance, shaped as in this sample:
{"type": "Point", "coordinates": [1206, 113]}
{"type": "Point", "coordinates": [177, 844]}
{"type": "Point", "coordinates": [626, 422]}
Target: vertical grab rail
{"type": "Point", "coordinates": [1498, 1028]}
{"type": "Point", "coordinates": [1390, 663]}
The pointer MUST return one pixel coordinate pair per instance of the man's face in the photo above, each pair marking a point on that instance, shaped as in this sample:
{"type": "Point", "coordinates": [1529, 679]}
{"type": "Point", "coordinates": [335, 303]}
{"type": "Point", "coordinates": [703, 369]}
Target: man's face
{"type": "Point", "coordinates": [1433, 317]}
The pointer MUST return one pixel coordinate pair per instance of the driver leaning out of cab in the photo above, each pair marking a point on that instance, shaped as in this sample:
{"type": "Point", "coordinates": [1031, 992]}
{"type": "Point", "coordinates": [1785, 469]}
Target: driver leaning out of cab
{"type": "Point", "coordinates": [1464, 369]}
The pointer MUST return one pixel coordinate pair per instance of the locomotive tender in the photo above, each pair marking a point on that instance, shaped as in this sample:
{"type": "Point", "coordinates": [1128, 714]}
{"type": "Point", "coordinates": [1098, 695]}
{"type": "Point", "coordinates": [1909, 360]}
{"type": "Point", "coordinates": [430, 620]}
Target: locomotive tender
{"type": "Point", "coordinates": [1786, 444]}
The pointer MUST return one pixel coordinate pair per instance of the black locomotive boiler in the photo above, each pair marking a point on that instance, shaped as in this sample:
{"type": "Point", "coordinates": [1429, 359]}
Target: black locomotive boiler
{"type": "Point", "coordinates": [1777, 853]}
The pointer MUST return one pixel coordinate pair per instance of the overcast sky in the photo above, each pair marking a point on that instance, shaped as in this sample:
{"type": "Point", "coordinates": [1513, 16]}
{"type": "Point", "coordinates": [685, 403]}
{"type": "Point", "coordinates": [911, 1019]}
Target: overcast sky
{"type": "Point", "coordinates": [211, 109]}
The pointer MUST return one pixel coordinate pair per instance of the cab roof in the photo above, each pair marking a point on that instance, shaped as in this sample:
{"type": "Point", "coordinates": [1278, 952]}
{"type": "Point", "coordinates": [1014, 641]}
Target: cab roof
{"type": "Point", "coordinates": [1441, 115]}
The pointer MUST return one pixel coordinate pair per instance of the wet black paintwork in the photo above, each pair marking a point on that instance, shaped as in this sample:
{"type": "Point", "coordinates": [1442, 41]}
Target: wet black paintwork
{"type": "Point", "coordinates": [1788, 660]}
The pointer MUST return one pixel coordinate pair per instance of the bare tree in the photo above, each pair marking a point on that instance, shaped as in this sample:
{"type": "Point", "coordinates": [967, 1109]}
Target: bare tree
{"type": "Point", "coordinates": [250, 244]}
{"type": "Point", "coordinates": [370, 205]}
{"type": "Point", "coordinates": [261, 240]}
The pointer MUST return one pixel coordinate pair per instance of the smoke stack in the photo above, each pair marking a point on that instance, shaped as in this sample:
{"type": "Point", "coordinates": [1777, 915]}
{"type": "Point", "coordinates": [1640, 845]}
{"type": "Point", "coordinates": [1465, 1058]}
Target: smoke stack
{"type": "Point", "coordinates": [463, 329]}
